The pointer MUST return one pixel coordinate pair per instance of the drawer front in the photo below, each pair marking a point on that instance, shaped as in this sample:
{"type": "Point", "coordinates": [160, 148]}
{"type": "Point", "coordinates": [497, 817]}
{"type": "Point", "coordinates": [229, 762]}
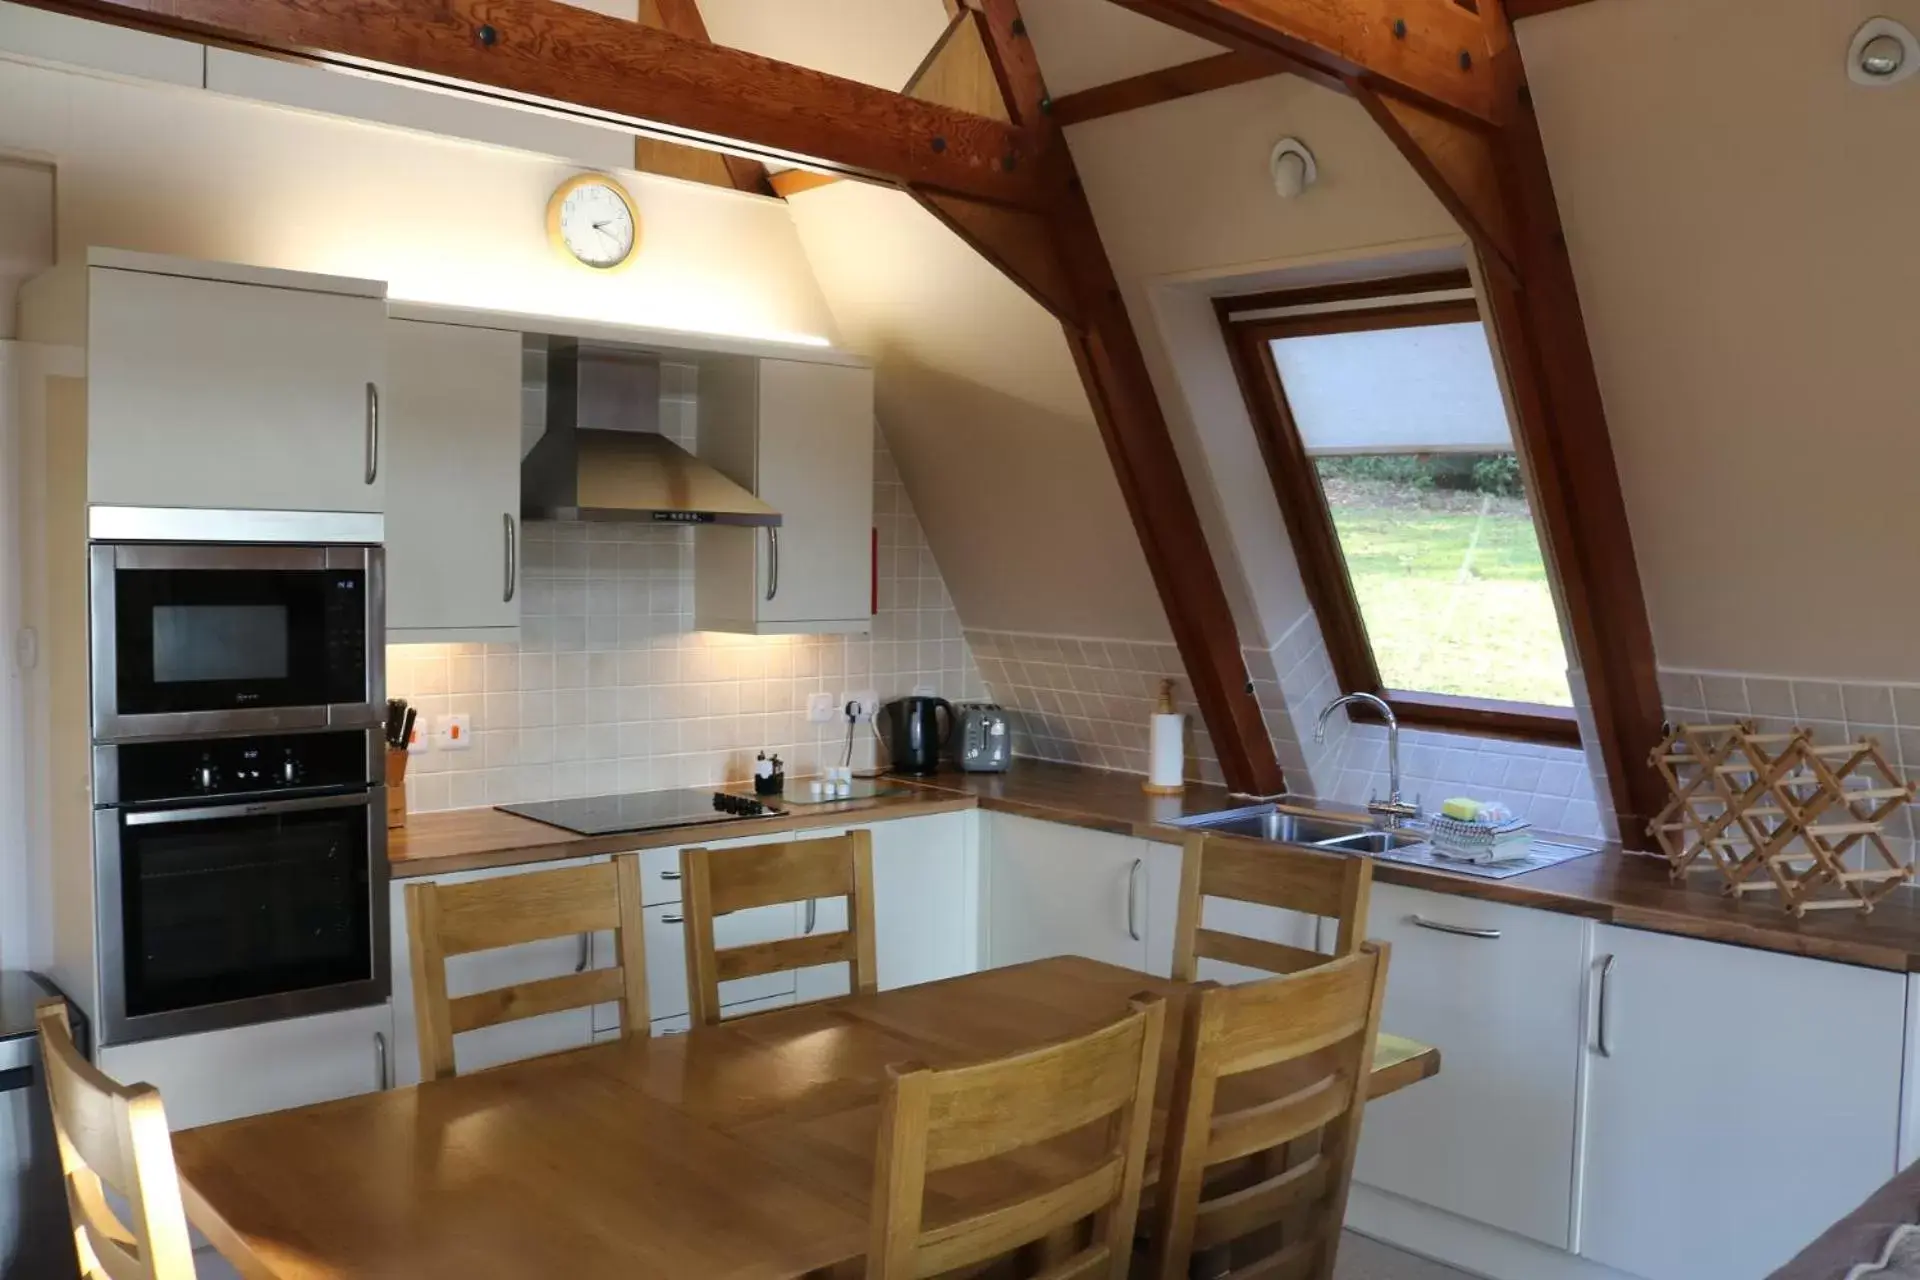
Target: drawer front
{"type": "Point", "coordinates": [667, 956]}
{"type": "Point", "coordinates": [1498, 990]}
{"type": "Point", "coordinates": [659, 876]}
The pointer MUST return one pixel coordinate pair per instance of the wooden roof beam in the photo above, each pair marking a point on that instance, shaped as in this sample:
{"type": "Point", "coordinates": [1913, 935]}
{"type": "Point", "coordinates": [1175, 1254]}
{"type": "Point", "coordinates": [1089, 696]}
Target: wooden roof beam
{"type": "Point", "coordinates": [574, 62]}
{"type": "Point", "coordinates": [1438, 51]}
{"type": "Point", "coordinates": [682, 18]}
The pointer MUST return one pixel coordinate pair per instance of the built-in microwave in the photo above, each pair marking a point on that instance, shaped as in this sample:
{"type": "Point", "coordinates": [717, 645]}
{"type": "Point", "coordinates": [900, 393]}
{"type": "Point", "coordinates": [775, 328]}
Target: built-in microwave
{"type": "Point", "coordinates": [206, 638]}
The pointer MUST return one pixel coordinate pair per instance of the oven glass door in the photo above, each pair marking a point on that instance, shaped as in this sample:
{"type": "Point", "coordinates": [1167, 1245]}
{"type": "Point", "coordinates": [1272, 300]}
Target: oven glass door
{"type": "Point", "coordinates": [226, 903]}
{"type": "Point", "coordinates": [190, 640]}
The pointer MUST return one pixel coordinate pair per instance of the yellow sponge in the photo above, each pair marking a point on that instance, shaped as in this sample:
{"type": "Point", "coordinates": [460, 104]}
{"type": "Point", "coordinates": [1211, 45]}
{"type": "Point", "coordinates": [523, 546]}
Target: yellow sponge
{"type": "Point", "coordinates": [1461, 809]}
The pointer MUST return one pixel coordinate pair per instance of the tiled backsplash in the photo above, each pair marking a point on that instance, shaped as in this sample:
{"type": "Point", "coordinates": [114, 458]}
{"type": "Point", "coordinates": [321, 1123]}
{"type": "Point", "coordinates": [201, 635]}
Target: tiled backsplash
{"type": "Point", "coordinates": [1086, 701]}
{"type": "Point", "coordinates": [610, 690]}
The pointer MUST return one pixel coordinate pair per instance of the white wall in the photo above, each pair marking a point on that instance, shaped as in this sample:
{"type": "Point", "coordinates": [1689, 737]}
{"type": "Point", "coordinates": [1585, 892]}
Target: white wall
{"type": "Point", "coordinates": [15, 908]}
{"type": "Point", "coordinates": [181, 170]}
{"type": "Point", "coordinates": [1202, 219]}
{"type": "Point", "coordinates": [1742, 228]}
{"type": "Point", "coordinates": [26, 230]}
{"type": "Point", "coordinates": [987, 419]}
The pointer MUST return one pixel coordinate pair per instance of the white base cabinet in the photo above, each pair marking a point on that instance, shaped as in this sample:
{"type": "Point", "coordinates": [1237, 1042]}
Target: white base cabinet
{"type": "Point", "coordinates": [1059, 890]}
{"type": "Point", "coordinates": [1740, 1102]}
{"type": "Point", "coordinates": [1491, 1138]}
{"type": "Point", "coordinates": [247, 1071]}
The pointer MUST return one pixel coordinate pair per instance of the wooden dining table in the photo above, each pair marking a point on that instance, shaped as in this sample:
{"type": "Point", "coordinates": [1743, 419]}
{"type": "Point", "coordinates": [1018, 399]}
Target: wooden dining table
{"type": "Point", "coordinates": [737, 1152]}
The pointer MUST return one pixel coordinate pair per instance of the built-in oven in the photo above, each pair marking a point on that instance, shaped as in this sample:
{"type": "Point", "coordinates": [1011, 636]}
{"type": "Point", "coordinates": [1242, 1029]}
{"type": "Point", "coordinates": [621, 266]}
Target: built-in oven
{"type": "Point", "coordinates": [239, 880]}
{"type": "Point", "coordinates": [201, 638]}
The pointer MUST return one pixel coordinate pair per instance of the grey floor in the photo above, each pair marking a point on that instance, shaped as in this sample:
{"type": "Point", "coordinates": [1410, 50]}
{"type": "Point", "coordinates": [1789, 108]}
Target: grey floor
{"type": "Point", "coordinates": [1364, 1259]}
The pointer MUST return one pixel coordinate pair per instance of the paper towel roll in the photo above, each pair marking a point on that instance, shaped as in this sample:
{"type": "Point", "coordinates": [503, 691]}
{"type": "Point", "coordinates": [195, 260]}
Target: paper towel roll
{"type": "Point", "coordinates": [1166, 753]}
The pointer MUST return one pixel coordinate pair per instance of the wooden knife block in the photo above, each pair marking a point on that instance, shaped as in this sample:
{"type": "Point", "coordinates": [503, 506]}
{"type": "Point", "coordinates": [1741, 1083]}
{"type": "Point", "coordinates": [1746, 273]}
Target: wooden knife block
{"type": "Point", "coordinates": [396, 789]}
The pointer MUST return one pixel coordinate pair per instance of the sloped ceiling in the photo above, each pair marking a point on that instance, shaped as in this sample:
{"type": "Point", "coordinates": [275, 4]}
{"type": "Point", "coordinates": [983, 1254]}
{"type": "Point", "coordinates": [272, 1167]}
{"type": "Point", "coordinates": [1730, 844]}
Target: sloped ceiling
{"type": "Point", "coordinates": [1082, 43]}
{"type": "Point", "coordinates": [985, 415]}
{"type": "Point", "coordinates": [978, 394]}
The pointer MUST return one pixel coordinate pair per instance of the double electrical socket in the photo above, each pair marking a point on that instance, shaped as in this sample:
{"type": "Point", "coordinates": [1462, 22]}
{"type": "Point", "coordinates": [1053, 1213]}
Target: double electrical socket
{"type": "Point", "coordinates": [825, 708]}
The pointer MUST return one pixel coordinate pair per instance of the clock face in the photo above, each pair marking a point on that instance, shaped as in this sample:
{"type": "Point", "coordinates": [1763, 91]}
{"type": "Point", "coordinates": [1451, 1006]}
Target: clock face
{"type": "Point", "coordinates": [597, 225]}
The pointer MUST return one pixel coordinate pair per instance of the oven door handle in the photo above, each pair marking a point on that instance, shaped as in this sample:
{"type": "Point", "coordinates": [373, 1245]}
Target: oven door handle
{"type": "Point", "coordinates": [163, 817]}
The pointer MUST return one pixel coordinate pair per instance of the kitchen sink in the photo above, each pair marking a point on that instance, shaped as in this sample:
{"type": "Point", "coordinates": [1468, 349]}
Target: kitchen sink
{"type": "Point", "coordinates": [1278, 824]}
{"type": "Point", "coordinates": [1315, 830]}
{"type": "Point", "coordinates": [1369, 841]}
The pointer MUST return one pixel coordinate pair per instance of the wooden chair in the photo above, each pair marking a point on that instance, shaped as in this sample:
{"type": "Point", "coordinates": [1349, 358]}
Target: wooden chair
{"type": "Point", "coordinates": [716, 881]}
{"type": "Point", "coordinates": [1277, 1220]}
{"type": "Point", "coordinates": [113, 1138]}
{"type": "Point", "coordinates": [932, 1121]}
{"type": "Point", "coordinates": [1335, 885]}
{"type": "Point", "coordinates": [447, 920]}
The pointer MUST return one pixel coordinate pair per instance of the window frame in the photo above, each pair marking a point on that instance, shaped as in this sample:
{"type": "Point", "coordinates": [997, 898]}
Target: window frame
{"type": "Point", "coordinates": [1365, 307]}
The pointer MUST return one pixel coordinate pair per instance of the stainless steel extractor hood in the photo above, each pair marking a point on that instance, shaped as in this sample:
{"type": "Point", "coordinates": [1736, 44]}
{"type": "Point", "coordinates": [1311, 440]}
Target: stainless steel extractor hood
{"type": "Point", "coordinates": [603, 457]}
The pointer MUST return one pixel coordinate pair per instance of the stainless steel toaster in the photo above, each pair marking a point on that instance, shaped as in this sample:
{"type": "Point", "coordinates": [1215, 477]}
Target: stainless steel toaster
{"type": "Point", "coordinates": [982, 739]}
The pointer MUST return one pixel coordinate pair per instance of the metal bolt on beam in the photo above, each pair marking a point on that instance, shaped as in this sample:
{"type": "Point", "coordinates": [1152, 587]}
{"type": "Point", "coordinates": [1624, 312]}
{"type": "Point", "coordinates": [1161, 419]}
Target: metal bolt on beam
{"type": "Point", "coordinates": [1399, 28]}
{"type": "Point", "coordinates": [1466, 60]}
{"type": "Point", "coordinates": [939, 144]}
{"type": "Point", "coordinates": [488, 36]}
{"type": "Point", "coordinates": [1019, 27]}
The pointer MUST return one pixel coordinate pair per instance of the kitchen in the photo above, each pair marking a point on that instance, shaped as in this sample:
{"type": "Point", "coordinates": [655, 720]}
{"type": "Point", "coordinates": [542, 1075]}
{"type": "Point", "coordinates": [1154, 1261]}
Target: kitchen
{"type": "Point", "coordinates": [547, 659]}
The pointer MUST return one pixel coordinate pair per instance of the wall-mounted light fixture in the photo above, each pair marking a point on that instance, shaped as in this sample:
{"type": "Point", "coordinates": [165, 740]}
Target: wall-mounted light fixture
{"type": "Point", "coordinates": [1292, 167]}
{"type": "Point", "coordinates": [1883, 52]}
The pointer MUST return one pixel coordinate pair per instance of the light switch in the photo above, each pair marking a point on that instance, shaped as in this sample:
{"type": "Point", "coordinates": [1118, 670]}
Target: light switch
{"type": "Point", "coordinates": [453, 733]}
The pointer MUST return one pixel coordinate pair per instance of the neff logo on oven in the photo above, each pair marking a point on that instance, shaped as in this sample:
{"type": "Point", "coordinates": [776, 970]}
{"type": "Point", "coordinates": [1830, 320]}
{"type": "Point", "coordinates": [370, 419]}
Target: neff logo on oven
{"type": "Point", "coordinates": [246, 697]}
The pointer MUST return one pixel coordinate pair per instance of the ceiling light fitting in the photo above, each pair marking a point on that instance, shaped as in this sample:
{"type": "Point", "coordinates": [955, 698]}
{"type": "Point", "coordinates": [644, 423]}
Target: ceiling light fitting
{"type": "Point", "coordinates": [1883, 52]}
{"type": "Point", "coordinates": [1292, 167]}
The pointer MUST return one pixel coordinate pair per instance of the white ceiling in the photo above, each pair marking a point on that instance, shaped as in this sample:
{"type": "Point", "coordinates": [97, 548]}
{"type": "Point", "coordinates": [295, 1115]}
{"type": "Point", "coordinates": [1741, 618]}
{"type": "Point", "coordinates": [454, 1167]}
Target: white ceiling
{"type": "Point", "coordinates": [878, 42]}
{"type": "Point", "coordinates": [1080, 43]}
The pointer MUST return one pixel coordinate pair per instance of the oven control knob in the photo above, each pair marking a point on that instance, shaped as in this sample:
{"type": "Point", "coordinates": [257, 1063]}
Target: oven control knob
{"type": "Point", "coordinates": [289, 770]}
{"type": "Point", "coordinates": [206, 777]}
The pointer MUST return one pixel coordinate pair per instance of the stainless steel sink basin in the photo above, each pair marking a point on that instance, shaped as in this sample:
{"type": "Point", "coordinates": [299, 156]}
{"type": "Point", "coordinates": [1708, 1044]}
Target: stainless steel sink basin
{"type": "Point", "coordinates": [1369, 841]}
{"type": "Point", "coordinates": [1315, 830]}
{"type": "Point", "coordinates": [1277, 824]}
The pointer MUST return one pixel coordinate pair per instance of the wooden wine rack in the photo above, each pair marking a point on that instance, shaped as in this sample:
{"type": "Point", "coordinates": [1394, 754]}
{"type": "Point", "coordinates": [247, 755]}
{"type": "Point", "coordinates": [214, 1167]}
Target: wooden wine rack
{"type": "Point", "coordinates": [1779, 813]}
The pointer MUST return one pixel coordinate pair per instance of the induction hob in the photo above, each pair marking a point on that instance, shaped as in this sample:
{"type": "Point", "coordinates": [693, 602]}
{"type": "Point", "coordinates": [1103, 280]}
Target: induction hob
{"type": "Point", "coordinates": [642, 811]}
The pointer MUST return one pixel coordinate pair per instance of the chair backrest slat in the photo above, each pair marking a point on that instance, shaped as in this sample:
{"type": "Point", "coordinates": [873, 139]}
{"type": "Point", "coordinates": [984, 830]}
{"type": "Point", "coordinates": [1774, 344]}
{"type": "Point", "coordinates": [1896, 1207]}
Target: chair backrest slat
{"type": "Point", "coordinates": [1297, 1052]}
{"type": "Point", "coordinates": [113, 1137]}
{"type": "Point", "coordinates": [1101, 1083]}
{"type": "Point", "coordinates": [1318, 883]}
{"type": "Point", "coordinates": [446, 920]}
{"type": "Point", "coordinates": [715, 882]}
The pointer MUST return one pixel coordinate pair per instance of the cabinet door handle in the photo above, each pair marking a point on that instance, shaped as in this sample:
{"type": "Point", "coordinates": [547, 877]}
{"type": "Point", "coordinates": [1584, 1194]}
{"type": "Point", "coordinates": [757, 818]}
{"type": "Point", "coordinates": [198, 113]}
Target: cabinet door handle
{"type": "Point", "coordinates": [812, 907]}
{"type": "Point", "coordinates": [381, 1079]}
{"type": "Point", "coordinates": [1459, 930]}
{"type": "Point", "coordinates": [673, 919]}
{"type": "Point", "coordinates": [373, 432]}
{"type": "Point", "coordinates": [1133, 899]}
{"type": "Point", "coordinates": [773, 561]}
{"type": "Point", "coordinates": [513, 557]}
{"type": "Point", "coordinates": [669, 875]}
{"type": "Point", "coordinates": [586, 952]}
{"type": "Point", "coordinates": [1602, 1042]}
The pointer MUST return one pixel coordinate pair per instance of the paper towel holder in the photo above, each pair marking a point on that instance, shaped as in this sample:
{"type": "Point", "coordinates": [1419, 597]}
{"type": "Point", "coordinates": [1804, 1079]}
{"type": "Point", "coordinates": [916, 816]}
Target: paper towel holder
{"type": "Point", "coordinates": [1166, 747]}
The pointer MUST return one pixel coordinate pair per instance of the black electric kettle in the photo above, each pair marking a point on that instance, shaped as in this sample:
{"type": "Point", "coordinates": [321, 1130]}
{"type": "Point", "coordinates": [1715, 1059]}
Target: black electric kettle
{"type": "Point", "coordinates": [911, 729]}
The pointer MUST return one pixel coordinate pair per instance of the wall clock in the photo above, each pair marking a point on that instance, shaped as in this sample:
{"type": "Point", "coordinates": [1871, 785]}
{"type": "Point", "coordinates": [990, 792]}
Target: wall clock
{"type": "Point", "coordinates": [591, 219]}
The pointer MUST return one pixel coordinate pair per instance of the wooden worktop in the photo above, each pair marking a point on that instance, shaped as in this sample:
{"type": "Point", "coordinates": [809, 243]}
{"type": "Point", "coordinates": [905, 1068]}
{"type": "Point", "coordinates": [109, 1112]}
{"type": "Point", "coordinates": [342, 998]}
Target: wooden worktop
{"type": "Point", "coordinates": [1611, 886]}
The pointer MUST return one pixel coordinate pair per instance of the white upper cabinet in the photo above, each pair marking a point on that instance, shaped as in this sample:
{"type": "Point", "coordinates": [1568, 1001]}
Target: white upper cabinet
{"type": "Point", "coordinates": [1739, 1101]}
{"type": "Point", "coordinates": [1497, 989]}
{"type": "Point", "coordinates": [258, 391]}
{"type": "Point", "coordinates": [800, 436]}
{"type": "Point", "coordinates": [453, 473]}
